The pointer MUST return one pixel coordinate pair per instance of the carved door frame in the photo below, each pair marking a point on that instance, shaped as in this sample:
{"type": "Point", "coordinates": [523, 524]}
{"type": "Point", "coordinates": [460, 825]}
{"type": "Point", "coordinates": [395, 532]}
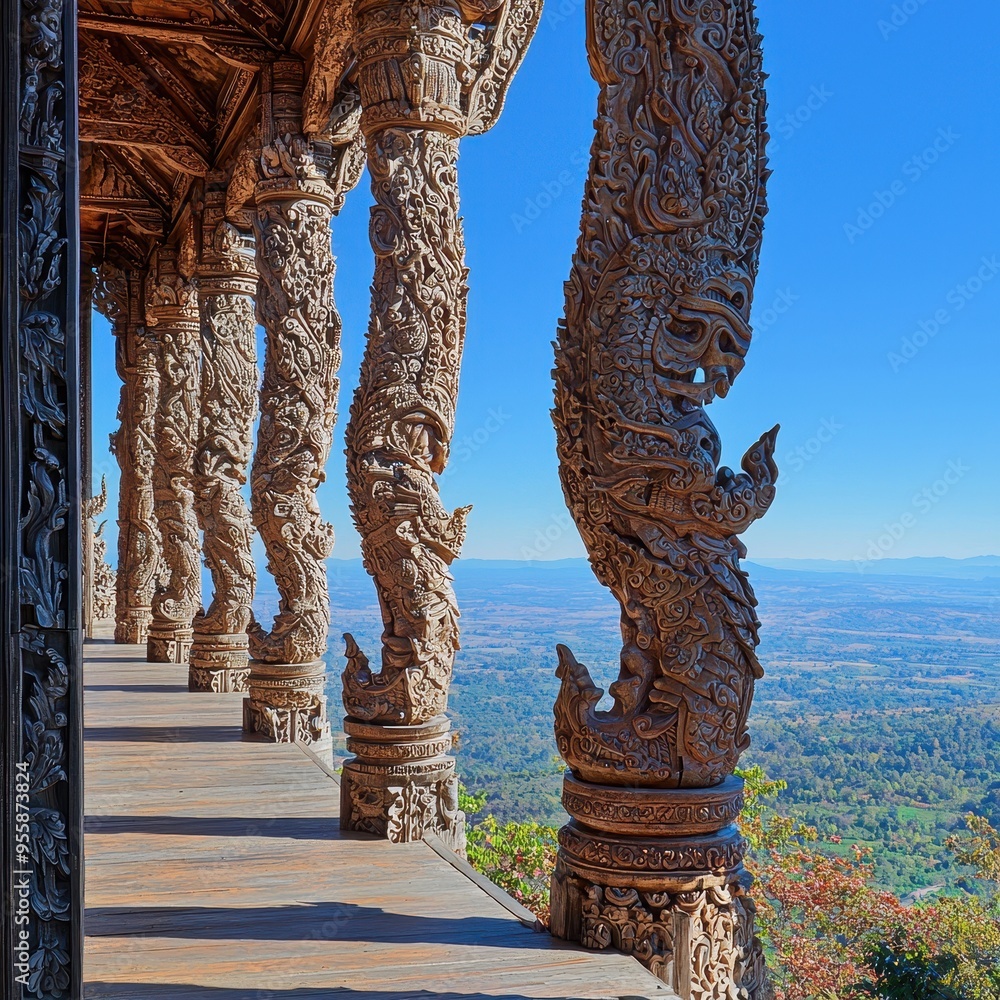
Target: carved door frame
{"type": "Point", "coordinates": [40, 513]}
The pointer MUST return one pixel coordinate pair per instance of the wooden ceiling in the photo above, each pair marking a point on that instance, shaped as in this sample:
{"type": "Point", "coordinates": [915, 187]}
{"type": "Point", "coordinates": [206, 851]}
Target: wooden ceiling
{"type": "Point", "coordinates": [169, 90]}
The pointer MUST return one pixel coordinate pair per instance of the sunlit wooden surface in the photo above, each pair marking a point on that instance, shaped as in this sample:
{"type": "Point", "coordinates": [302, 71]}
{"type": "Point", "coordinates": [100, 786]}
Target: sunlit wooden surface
{"type": "Point", "coordinates": [216, 871]}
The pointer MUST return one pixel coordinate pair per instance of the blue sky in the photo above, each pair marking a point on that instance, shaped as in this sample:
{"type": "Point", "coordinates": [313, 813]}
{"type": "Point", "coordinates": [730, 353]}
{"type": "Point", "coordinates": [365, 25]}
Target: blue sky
{"type": "Point", "coordinates": [877, 310]}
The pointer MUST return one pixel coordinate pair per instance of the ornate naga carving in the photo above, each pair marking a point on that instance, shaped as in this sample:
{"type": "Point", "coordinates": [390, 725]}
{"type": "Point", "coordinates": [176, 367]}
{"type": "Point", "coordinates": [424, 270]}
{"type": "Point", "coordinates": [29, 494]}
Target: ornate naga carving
{"type": "Point", "coordinates": [427, 77]}
{"type": "Point", "coordinates": [227, 283]}
{"type": "Point", "coordinates": [657, 326]}
{"type": "Point", "coordinates": [302, 184]}
{"type": "Point", "coordinates": [172, 315]}
{"type": "Point", "coordinates": [119, 297]}
{"type": "Point", "coordinates": [429, 74]}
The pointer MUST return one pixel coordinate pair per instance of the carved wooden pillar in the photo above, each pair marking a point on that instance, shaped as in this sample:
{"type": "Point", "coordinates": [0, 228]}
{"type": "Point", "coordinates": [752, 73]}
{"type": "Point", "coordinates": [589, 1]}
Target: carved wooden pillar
{"type": "Point", "coordinates": [302, 184]}
{"type": "Point", "coordinates": [227, 284]}
{"type": "Point", "coordinates": [172, 317]}
{"type": "Point", "coordinates": [657, 325]}
{"type": "Point", "coordinates": [420, 92]}
{"type": "Point", "coordinates": [120, 298]}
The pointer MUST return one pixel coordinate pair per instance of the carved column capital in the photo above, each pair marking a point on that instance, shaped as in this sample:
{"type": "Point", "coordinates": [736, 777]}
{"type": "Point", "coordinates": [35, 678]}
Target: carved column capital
{"type": "Point", "coordinates": [227, 259]}
{"type": "Point", "coordinates": [171, 296]}
{"type": "Point", "coordinates": [436, 66]}
{"type": "Point", "coordinates": [111, 297]}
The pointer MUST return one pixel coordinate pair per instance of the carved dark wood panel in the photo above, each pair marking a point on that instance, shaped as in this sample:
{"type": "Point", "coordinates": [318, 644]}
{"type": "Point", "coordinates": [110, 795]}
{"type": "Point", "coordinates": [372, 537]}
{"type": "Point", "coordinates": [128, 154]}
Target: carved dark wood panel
{"type": "Point", "coordinates": [41, 512]}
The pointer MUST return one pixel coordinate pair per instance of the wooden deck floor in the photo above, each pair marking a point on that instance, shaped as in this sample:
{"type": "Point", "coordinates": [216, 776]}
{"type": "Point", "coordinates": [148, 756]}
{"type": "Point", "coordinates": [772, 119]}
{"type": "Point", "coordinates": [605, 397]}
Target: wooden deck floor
{"type": "Point", "coordinates": [216, 871]}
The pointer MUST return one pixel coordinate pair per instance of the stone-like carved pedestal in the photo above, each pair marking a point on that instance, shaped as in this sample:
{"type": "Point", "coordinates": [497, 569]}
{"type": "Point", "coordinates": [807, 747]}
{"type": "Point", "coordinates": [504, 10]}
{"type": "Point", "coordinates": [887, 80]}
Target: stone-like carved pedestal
{"type": "Point", "coordinates": [401, 783]}
{"type": "Point", "coordinates": [287, 703]}
{"type": "Point", "coordinates": [658, 874]}
{"type": "Point", "coordinates": [168, 643]}
{"type": "Point", "coordinates": [219, 663]}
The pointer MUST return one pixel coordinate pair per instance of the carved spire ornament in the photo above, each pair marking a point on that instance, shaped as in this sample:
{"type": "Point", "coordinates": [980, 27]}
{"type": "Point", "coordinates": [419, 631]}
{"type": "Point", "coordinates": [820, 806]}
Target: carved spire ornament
{"type": "Point", "coordinates": [172, 318]}
{"type": "Point", "coordinates": [427, 77]}
{"type": "Point", "coordinates": [657, 326]}
{"type": "Point", "coordinates": [227, 284]}
{"type": "Point", "coordinates": [302, 183]}
{"type": "Point", "coordinates": [119, 297]}
{"type": "Point", "coordinates": [99, 592]}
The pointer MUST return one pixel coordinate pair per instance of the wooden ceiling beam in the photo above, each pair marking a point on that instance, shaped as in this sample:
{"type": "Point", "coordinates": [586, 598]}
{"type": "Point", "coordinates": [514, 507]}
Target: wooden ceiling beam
{"type": "Point", "coordinates": [209, 36]}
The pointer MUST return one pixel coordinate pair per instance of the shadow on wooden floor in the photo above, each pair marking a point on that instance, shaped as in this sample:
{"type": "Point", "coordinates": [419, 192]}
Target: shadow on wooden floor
{"type": "Point", "coordinates": [308, 921]}
{"type": "Point", "coordinates": [163, 734]}
{"type": "Point", "coordinates": [286, 828]}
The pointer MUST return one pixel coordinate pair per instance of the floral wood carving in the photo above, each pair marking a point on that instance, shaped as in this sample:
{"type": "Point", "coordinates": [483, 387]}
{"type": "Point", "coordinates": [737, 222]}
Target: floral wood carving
{"type": "Point", "coordinates": [172, 316]}
{"type": "Point", "coordinates": [657, 326]}
{"type": "Point", "coordinates": [427, 77]}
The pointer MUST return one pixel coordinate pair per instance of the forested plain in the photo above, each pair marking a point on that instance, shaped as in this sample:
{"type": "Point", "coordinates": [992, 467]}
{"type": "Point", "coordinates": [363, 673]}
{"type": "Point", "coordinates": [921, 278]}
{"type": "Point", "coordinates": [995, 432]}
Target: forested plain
{"type": "Point", "coordinates": [880, 707]}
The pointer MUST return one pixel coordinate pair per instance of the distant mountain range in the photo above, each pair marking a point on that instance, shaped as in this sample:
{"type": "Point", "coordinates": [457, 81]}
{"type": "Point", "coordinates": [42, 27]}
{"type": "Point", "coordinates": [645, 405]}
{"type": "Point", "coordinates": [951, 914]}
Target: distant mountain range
{"type": "Point", "coordinates": [976, 568]}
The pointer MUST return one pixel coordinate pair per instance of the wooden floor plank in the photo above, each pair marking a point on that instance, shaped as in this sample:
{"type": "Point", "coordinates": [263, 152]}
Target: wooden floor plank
{"type": "Point", "coordinates": [216, 870]}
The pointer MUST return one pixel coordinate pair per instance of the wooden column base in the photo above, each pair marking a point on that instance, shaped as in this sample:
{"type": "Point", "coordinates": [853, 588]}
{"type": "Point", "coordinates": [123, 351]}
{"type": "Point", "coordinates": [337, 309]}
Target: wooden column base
{"type": "Point", "coordinates": [658, 874]}
{"type": "Point", "coordinates": [219, 663]}
{"type": "Point", "coordinates": [133, 628]}
{"type": "Point", "coordinates": [168, 643]}
{"type": "Point", "coordinates": [401, 784]}
{"type": "Point", "coordinates": [286, 703]}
